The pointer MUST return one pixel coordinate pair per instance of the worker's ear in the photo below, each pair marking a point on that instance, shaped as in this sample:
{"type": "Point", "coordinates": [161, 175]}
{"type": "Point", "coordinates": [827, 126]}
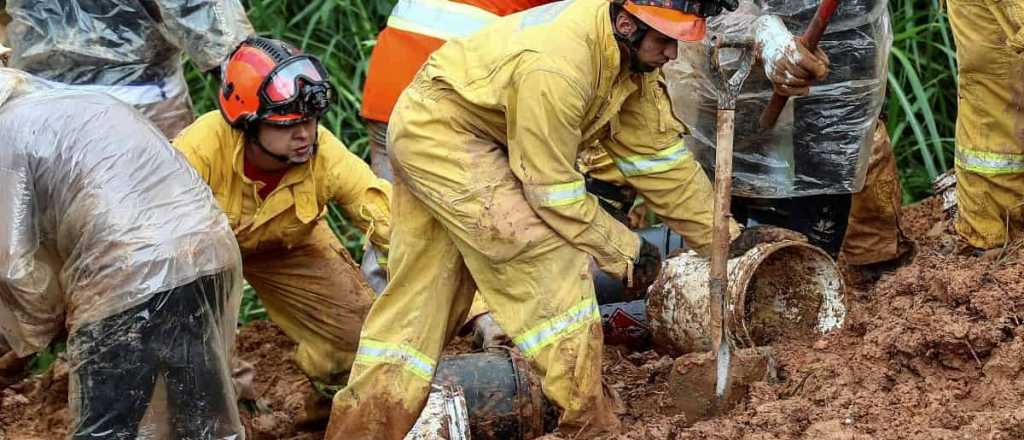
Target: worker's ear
{"type": "Point", "coordinates": [624, 24]}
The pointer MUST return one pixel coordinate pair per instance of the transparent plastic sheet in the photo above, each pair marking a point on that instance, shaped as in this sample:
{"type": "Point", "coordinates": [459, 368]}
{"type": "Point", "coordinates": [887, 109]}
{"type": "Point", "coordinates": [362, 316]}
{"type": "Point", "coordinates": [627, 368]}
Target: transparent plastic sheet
{"type": "Point", "coordinates": [821, 143]}
{"type": "Point", "coordinates": [107, 230]}
{"type": "Point", "coordinates": [132, 46]}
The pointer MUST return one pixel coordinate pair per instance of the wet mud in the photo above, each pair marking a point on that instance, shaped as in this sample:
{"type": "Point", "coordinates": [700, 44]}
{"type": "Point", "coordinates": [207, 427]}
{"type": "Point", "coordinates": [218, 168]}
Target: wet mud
{"type": "Point", "coordinates": [934, 350]}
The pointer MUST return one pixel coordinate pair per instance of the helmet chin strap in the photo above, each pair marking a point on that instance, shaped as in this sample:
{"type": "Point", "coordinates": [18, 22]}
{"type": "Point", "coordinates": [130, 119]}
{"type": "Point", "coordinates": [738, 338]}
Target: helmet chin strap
{"type": "Point", "coordinates": [631, 41]}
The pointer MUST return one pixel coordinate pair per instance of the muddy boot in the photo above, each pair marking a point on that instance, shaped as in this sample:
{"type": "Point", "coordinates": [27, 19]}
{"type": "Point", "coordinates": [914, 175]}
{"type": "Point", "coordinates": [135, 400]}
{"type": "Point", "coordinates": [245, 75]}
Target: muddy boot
{"type": "Point", "coordinates": [12, 368]}
{"type": "Point", "coordinates": [869, 274]}
{"type": "Point", "coordinates": [315, 409]}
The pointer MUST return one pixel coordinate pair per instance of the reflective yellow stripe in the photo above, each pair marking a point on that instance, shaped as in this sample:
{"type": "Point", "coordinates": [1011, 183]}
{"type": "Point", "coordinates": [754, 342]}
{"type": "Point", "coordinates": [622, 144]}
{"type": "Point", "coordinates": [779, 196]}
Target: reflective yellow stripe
{"type": "Point", "coordinates": [562, 194]}
{"type": "Point", "coordinates": [985, 162]}
{"type": "Point", "coordinates": [375, 352]}
{"type": "Point", "coordinates": [648, 164]}
{"type": "Point", "coordinates": [439, 18]}
{"type": "Point", "coordinates": [580, 315]}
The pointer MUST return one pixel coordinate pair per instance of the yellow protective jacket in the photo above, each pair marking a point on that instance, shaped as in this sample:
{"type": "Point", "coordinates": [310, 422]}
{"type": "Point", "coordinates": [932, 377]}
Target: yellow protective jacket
{"type": "Point", "coordinates": [557, 87]}
{"type": "Point", "coordinates": [290, 212]}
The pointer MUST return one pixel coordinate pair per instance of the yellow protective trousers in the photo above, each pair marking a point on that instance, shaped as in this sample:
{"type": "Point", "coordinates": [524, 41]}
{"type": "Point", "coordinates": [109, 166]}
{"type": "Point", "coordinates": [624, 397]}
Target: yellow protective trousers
{"type": "Point", "coordinates": [873, 234]}
{"type": "Point", "coordinates": [462, 223]}
{"type": "Point", "coordinates": [989, 36]}
{"type": "Point", "coordinates": [316, 294]}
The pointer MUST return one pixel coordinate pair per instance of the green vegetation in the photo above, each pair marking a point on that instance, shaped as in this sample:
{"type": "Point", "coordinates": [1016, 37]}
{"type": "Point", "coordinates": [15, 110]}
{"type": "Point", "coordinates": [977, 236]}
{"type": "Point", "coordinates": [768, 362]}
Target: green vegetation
{"type": "Point", "coordinates": [922, 98]}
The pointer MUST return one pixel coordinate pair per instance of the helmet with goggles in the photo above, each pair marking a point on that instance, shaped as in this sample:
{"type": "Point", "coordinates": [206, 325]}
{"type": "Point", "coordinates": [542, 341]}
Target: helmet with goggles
{"type": "Point", "coordinates": [269, 81]}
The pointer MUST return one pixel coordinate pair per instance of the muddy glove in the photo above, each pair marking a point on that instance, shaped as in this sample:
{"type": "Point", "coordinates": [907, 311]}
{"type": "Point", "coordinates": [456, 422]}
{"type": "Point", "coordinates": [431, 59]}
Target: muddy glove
{"type": "Point", "coordinates": [787, 62]}
{"type": "Point", "coordinates": [488, 334]}
{"type": "Point", "coordinates": [645, 269]}
{"type": "Point", "coordinates": [758, 234]}
{"type": "Point", "coordinates": [12, 368]}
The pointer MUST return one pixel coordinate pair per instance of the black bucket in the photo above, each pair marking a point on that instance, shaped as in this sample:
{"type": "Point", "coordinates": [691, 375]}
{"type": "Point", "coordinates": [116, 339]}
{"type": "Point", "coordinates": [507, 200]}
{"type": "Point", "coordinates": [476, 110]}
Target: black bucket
{"type": "Point", "coordinates": [503, 396]}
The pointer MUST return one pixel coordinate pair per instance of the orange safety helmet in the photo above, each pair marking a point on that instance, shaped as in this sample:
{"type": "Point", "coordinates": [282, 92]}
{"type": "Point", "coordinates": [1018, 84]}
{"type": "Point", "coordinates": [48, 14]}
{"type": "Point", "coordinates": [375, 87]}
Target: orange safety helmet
{"type": "Point", "coordinates": [679, 19]}
{"type": "Point", "coordinates": [270, 81]}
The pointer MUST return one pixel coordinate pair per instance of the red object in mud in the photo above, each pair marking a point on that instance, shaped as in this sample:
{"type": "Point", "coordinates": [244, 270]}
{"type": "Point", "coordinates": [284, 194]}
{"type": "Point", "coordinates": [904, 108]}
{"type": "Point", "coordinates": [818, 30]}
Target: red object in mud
{"type": "Point", "coordinates": [625, 324]}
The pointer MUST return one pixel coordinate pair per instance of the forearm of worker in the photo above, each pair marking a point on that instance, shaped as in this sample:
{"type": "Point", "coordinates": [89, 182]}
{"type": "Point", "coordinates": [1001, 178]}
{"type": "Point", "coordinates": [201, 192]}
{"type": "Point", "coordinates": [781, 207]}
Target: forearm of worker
{"type": "Point", "coordinates": [681, 195]}
{"type": "Point", "coordinates": [544, 136]}
{"type": "Point", "coordinates": [365, 198]}
{"type": "Point", "coordinates": [647, 147]}
{"type": "Point", "coordinates": [25, 307]}
{"type": "Point", "coordinates": [207, 30]}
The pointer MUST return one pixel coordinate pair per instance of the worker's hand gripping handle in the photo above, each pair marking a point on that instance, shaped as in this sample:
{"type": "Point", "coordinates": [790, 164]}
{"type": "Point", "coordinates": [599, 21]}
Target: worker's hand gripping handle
{"type": "Point", "coordinates": [810, 40]}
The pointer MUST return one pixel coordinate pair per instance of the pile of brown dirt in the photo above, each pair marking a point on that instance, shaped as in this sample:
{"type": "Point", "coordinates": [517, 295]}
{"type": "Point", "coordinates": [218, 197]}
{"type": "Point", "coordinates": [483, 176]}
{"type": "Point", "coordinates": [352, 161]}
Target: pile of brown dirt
{"type": "Point", "coordinates": [934, 350]}
{"type": "Point", "coordinates": [37, 408]}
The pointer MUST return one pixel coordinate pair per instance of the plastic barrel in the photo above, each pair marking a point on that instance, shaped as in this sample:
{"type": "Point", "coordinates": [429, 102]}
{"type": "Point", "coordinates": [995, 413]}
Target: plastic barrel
{"type": "Point", "coordinates": [503, 397]}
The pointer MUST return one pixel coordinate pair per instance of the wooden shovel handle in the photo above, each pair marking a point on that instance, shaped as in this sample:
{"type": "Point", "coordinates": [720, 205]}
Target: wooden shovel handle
{"type": "Point", "coordinates": [810, 40]}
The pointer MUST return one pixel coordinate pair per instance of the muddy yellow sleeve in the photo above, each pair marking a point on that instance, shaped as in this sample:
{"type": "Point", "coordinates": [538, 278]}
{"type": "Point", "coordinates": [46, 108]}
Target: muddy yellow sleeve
{"type": "Point", "coordinates": [365, 198]}
{"type": "Point", "coordinates": [1013, 13]}
{"type": "Point", "coordinates": [544, 118]}
{"type": "Point", "coordinates": [647, 147]}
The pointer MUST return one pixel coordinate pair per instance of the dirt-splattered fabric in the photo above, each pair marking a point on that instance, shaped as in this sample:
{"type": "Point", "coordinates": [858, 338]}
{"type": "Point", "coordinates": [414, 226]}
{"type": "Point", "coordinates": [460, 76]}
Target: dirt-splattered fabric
{"type": "Point", "coordinates": [106, 231]}
{"type": "Point", "coordinates": [990, 120]}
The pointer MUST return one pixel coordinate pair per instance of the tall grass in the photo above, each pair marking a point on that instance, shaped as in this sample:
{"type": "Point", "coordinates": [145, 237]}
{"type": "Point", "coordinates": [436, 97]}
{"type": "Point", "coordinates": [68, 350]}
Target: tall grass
{"type": "Point", "coordinates": [922, 93]}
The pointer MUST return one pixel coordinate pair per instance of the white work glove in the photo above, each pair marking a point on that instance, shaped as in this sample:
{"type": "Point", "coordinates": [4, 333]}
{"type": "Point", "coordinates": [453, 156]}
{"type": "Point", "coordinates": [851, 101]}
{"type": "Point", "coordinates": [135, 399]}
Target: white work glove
{"type": "Point", "coordinates": [787, 62]}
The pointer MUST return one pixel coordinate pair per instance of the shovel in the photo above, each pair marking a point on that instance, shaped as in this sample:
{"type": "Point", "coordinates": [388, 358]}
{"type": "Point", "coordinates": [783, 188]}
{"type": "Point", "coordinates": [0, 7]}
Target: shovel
{"type": "Point", "coordinates": [728, 90]}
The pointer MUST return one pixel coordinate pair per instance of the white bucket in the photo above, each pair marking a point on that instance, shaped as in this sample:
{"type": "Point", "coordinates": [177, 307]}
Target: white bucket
{"type": "Point", "coordinates": [779, 291]}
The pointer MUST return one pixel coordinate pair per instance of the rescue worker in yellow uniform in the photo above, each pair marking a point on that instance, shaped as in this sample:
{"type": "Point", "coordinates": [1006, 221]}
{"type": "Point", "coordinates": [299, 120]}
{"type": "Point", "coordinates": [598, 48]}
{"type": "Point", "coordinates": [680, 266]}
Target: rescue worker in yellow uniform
{"type": "Point", "coordinates": [484, 144]}
{"type": "Point", "coordinates": [416, 28]}
{"type": "Point", "coordinates": [989, 38]}
{"type": "Point", "coordinates": [273, 170]}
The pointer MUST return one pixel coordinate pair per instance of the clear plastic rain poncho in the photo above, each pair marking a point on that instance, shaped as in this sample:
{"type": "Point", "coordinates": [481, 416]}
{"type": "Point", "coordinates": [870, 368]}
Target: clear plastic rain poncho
{"type": "Point", "coordinates": [107, 230]}
{"type": "Point", "coordinates": [821, 142]}
{"type": "Point", "coordinates": [129, 48]}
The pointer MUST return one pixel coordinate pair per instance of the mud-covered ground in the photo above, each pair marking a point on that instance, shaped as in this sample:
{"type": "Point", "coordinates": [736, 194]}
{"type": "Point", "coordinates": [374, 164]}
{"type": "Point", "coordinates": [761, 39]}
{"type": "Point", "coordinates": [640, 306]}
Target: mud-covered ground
{"type": "Point", "coordinates": [934, 350]}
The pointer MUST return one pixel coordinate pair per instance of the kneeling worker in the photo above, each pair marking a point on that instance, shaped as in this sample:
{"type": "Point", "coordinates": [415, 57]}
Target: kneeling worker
{"type": "Point", "coordinates": [273, 170]}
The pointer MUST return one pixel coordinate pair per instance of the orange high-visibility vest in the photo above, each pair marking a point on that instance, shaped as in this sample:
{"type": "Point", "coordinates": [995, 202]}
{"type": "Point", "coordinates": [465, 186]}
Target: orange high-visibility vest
{"type": "Point", "coordinates": [416, 28]}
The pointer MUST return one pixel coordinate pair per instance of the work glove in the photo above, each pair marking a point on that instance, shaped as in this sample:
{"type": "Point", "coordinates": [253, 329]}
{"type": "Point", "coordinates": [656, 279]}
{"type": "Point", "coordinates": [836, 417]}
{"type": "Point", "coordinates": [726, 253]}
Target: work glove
{"type": "Point", "coordinates": [488, 334]}
{"type": "Point", "coordinates": [645, 269]}
{"type": "Point", "coordinates": [787, 62]}
{"type": "Point", "coordinates": [758, 234]}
